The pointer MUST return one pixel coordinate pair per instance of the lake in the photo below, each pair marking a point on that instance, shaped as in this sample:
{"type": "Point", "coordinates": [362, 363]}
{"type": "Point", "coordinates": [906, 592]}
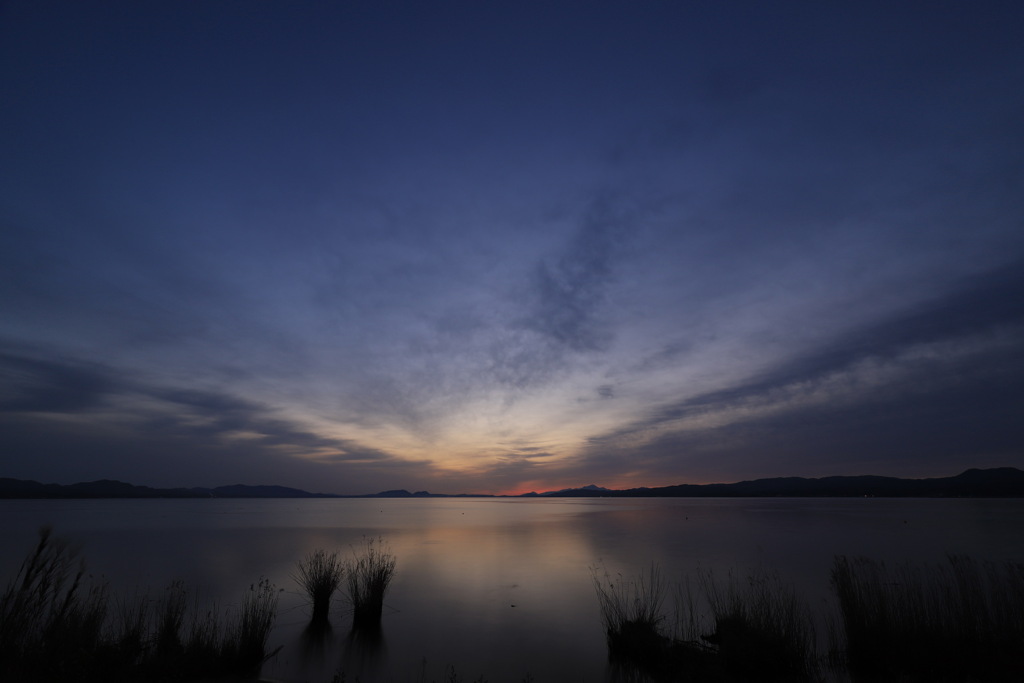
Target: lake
{"type": "Point", "coordinates": [499, 588]}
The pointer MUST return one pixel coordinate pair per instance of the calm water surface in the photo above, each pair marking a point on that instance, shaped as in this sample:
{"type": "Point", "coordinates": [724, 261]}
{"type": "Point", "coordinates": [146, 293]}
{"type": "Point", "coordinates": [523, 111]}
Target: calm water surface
{"type": "Point", "coordinates": [494, 587]}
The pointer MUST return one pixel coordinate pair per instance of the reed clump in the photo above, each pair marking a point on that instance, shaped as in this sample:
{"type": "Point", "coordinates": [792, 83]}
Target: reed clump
{"type": "Point", "coordinates": [319, 574]}
{"type": "Point", "coordinates": [761, 630]}
{"type": "Point", "coordinates": [632, 612]}
{"type": "Point", "coordinates": [48, 615]}
{"type": "Point", "coordinates": [958, 621]}
{"type": "Point", "coordinates": [247, 639]}
{"type": "Point", "coordinates": [58, 624]}
{"type": "Point", "coordinates": [369, 573]}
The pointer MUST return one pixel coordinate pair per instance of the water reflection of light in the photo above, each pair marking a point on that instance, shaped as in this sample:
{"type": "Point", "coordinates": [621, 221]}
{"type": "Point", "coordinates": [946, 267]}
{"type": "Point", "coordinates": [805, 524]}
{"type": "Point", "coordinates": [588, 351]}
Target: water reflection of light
{"type": "Point", "coordinates": [464, 563]}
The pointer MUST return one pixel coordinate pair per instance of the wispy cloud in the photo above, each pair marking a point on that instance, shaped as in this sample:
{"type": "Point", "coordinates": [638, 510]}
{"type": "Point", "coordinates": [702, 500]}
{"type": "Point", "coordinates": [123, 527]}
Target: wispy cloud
{"type": "Point", "coordinates": [47, 385]}
{"type": "Point", "coordinates": [570, 291]}
{"type": "Point", "coordinates": [69, 397]}
{"type": "Point", "coordinates": [919, 365]}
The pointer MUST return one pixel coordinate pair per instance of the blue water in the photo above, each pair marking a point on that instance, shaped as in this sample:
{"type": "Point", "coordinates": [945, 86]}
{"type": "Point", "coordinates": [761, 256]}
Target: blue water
{"type": "Point", "coordinates": [499, 588]}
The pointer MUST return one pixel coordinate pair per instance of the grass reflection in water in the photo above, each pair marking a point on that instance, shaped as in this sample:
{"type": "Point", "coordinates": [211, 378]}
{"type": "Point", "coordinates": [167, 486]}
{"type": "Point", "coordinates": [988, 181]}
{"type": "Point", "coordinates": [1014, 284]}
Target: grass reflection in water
{"type": "Point", "coordinates": [958, 621]}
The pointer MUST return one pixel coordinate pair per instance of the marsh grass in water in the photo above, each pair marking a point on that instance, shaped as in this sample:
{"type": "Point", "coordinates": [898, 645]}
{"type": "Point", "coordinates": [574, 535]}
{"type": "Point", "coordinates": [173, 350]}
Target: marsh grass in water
{"type": "Point", "coordinates": [632, 612]}
{"type": "Point", "coordinates": [319, 575]}
{"type": "Point", "coordinates": [368, 574]}
{"type": "Point", "coordinates": [633, 615]}
{"type": "Point", "coordinates": [58, 624]}
{"type": "Point", "coordinates": [761, 630]}
{"type": "Point", "coordinates": [959, 621]}
{"type": "Point", "coordinates": [48, 616]}
{"type": "Point", "coordinates": [247, 639]}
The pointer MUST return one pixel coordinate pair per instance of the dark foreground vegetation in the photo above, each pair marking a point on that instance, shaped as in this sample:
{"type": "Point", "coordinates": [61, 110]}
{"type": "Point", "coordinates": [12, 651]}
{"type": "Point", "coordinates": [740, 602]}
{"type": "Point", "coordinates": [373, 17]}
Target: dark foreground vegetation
{"type": "Point", "coordinates": [963, 621]}
{"type": "Point", "coordinates": [319, 575]}
{"type": "Point", "coordinates": [57, 625]}
{"type": "Point", "coordinates": [957, 622]}
{"type": "Point", "coordinates": [759, 629]}
{"type": "Point", "coordinates": [369, 574]}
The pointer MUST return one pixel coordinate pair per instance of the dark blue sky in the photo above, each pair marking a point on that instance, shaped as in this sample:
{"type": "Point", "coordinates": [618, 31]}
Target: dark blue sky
{"type": "Point", "coordinates": [506, 246]}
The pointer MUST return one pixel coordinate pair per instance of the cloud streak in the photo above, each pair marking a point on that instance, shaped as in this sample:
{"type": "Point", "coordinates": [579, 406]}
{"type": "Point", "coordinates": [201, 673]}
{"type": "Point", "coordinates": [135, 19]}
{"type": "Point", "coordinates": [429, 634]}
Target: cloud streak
{"type": "Point", "coordinates": [76, 400]}
{"type": "Point", "coordinates": [957, 354]}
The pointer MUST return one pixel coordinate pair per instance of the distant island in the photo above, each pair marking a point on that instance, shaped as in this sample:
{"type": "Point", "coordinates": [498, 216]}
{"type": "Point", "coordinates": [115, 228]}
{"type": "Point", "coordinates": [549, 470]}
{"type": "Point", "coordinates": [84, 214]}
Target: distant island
{"type": "Point", "coordinates": [1000, 482]}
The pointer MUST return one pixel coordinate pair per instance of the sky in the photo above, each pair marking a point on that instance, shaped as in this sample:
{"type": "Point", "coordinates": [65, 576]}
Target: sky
{"type": "Point", "coordinates": [497, 247]}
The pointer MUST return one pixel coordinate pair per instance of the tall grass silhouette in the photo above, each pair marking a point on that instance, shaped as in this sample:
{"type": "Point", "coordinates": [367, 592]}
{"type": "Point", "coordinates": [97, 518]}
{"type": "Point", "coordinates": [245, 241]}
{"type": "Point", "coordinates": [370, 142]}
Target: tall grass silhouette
{"type": "Point", "coordinates": [47, 613]}
{"type": "Point", "coordinates": [57, 624]}
{"type": "Point", "coordinates": [368, 574]}
{"type": "Point", "coordinates": [960, 621]}
{"type": "Point", "coordinates": [631, 610]}
{"type": "Point", "coordinates": [761, 630]}
{"type": "Point", "coordinates": [319, 574]}
{"type": "Point", "coordinates": [632, 613]}
{"type": "Point", "coordinates": [247, 640]}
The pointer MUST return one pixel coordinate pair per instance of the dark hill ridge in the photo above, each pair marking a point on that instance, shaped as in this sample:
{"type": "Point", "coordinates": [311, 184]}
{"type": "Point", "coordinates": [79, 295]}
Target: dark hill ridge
{"type": "Point", "coordinates": [1000, 482]}
{"type": "Point", "coordinates": [107, 488]}
{"type": "Point", "coordinates": [401, 493]}
{"type": "Point", "coordinates": [243, 491]}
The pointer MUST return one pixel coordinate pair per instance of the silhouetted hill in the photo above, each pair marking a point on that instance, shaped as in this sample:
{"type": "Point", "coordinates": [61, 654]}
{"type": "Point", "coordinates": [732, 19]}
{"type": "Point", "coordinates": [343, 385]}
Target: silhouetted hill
{"type": "Point", "coordinates": [243, 491]}
{"type": "Point", "coordinates": [1000, 482]}
{"type": "Point", "coordinates": [103, 488]}
{"type": "Point", "coordinates": [107, 488]}
{"type": "Point", "coordinates": [400, 493]}
{"type": "Point", "coordinates": [589, 489]}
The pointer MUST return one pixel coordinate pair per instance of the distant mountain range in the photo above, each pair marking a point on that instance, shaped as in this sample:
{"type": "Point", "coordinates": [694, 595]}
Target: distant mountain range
{"type": "Point", "coordinates": [1000, 482]}
{"type": "Point", "coordinates": [108, 488]}
{"type": "Point", "coordinates": [588, 490]}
